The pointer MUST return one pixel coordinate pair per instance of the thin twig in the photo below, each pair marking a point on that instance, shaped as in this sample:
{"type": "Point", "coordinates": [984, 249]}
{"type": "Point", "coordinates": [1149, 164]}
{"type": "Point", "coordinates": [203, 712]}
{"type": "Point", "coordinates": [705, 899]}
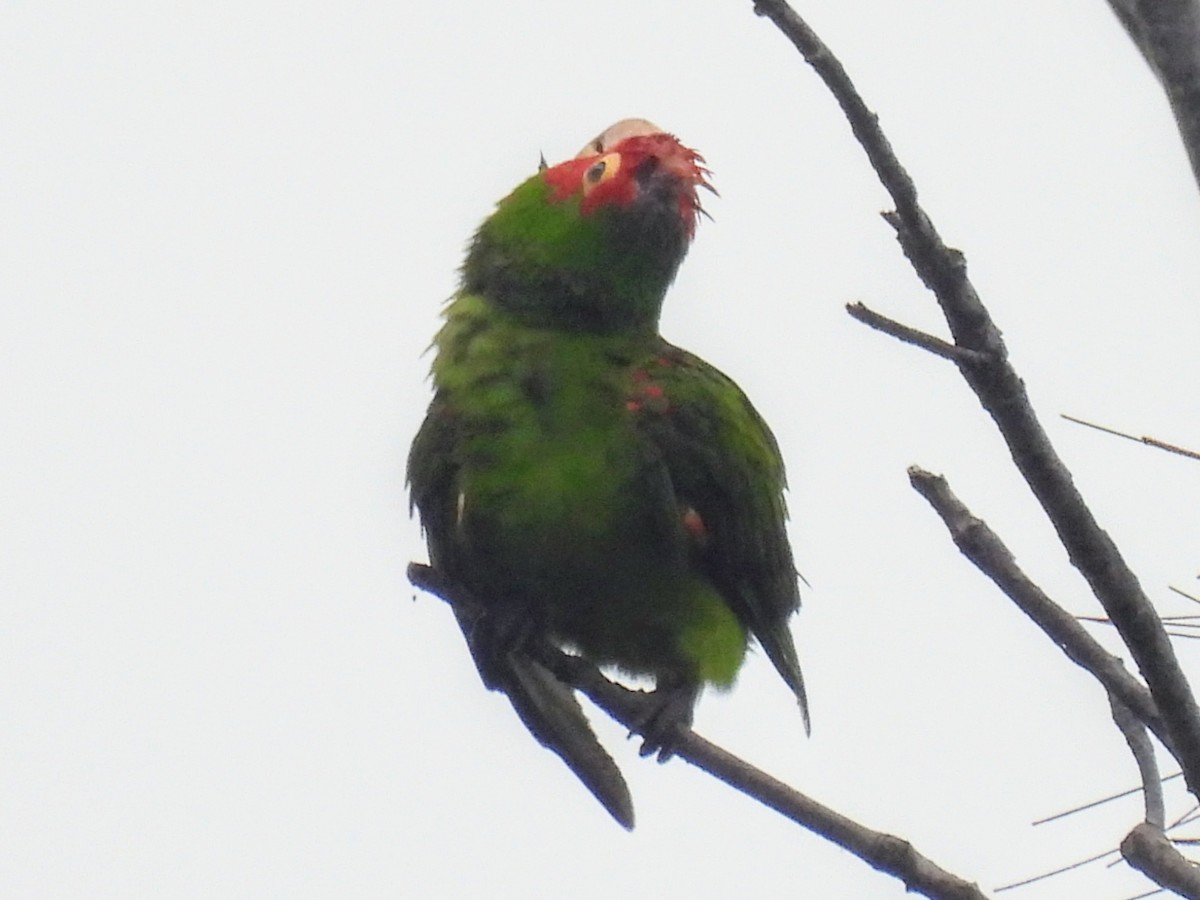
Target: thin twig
{"type": "Point", "coordinates": [1152, 893]}
{"type": "Point", "coordinates": [1148, 441]}
{"type": "Point", "coordinates": [1183, 593]}
{"type": "Point", "coordinates": [1185, 819]}
{"type": "Point", "coordinates": [1094, 803]}
{"type": "Point", "coordinates": [1174, 629]}
{"type": "Point", "coordinates": [911, 335]}
{"type": "Point", "coordinates": [1138, 740]}
{"type": "Point", "coordinates": [1059, 871]}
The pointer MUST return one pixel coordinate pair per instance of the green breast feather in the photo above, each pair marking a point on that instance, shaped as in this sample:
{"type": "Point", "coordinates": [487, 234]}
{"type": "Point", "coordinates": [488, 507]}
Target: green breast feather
{"type": "Point", "coordinates": [617, 490]}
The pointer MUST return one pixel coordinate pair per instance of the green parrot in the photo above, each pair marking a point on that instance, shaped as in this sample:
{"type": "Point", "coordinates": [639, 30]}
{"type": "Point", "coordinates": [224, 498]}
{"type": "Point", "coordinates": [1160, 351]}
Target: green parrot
{"type": "Point", "coordinates": [583, 480]}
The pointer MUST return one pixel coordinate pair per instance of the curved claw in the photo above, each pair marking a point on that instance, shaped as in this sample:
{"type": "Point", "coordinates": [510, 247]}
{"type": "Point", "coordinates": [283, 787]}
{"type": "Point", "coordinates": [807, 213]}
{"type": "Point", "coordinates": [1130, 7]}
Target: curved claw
{"type": "Point", "coordinates": [672, 706]}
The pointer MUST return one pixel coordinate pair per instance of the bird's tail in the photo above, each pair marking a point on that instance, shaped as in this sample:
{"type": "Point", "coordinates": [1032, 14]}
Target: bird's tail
{"type": "Point", "coordinates": [782, 652]}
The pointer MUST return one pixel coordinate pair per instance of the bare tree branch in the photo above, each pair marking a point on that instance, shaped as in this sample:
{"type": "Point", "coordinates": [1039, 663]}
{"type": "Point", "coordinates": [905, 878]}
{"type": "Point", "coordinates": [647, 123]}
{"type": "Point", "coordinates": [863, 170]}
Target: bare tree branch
{"type": "Point", "coordinates": [1002, 393]}
{"type": "Point", "coordinates": [911, 335]}
{"type": "Point", "coordinates": [989, 554]}
{"type": "Point", "coordinates": [1167, 32]}
{"type": "Point", "coordinates": [885, 852]}
{"type": "Point", "coordinates": [1142, 749]}
{"type": "Point", "coordinates": [1147, 849]}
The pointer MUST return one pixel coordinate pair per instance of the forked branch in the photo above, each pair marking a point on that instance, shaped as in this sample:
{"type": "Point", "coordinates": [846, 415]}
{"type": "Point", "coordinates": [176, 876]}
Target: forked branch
{"type": "Point", "coordinates": [983, 547]}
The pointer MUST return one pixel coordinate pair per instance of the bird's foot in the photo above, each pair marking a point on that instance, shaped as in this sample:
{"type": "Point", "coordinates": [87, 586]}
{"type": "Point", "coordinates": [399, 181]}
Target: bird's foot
{"type": "Point", "coordinates": [668, 716]}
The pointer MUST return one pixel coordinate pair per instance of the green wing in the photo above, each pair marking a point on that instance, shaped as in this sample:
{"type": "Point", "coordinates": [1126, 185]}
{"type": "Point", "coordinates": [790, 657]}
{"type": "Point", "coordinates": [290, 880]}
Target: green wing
{"type": "Point", "coordinates": [723, 462]}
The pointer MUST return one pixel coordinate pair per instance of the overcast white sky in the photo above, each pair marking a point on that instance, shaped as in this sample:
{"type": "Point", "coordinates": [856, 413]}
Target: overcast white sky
{"type": "Point", "coordinates": [226, 230]}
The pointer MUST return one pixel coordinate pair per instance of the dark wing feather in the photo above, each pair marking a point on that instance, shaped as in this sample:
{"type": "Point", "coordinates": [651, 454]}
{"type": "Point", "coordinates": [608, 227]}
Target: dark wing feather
{"type": "Point", "coordinates": [432, 480]}
{"type": "Point", "coordinates": [723, 462]}
{"type": "Point", "coordinates": [547, 706]}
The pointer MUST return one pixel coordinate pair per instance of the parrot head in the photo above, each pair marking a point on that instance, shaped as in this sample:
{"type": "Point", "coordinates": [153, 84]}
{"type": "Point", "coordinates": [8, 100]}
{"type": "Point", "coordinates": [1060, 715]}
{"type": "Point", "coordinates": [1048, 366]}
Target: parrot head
{"type": "Point", "coordinates": [593, 243]}
{"type": "Point", "coordinates": [633, 162]}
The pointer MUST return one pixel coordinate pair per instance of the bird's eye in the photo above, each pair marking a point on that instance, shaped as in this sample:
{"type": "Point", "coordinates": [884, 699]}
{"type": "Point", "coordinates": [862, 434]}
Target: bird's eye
{"type": "Point", "coordinates": [601, 171]}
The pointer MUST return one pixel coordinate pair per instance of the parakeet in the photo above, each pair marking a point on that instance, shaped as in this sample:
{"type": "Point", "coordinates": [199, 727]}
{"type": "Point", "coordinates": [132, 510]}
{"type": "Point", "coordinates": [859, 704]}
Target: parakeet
{"type": "Point", "coordinates": [582, 478]}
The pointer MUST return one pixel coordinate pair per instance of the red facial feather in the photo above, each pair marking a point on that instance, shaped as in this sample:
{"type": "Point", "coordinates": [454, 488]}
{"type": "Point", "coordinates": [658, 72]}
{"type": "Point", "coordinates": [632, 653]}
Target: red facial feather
{"type": "Point", "coordinates": [620, 190]}
{"type": "Point", "coordinates": [567, 179]}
